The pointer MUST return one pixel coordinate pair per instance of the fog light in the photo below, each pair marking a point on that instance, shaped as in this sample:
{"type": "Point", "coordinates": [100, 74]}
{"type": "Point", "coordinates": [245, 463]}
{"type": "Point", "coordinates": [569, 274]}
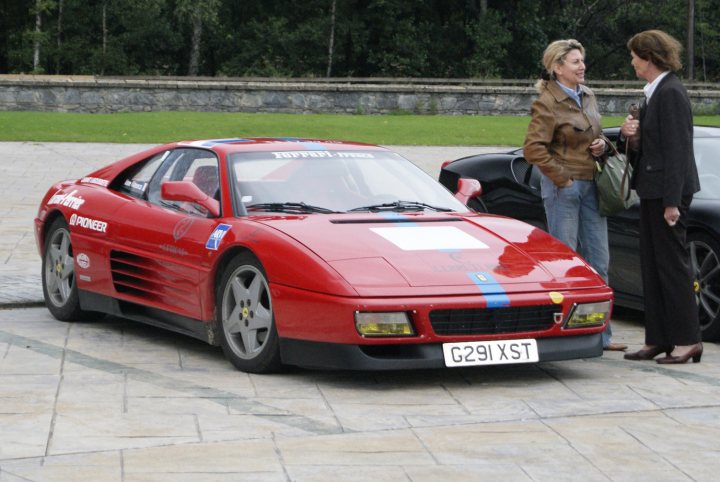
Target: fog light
{"type": "Point", "coordinates": [585, 315]}
{"type": "Point", "coordinates": [383, 324]}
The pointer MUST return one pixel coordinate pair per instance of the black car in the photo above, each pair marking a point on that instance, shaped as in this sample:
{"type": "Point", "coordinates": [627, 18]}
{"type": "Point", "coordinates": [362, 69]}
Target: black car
{"type": "Point", "coordinates": [511, 187]}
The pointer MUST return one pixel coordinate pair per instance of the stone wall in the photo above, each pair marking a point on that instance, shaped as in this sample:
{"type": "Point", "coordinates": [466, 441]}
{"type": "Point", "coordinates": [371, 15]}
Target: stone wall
{"type": "Point", "coordinates": [302, 96]}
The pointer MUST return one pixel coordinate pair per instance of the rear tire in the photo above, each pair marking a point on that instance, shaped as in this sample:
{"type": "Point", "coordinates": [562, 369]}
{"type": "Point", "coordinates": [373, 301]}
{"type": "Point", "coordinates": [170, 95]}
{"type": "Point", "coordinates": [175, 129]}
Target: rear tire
{"type": "Point", "coordinates": [248, 335]}
{"type": "Point", "coordinates": [705, 262]}
{"type": "Point", "coordinates": [58, 275]}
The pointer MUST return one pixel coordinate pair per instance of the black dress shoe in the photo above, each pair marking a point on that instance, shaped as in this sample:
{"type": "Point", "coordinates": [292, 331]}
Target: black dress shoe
{"type": "Point", "coordinates": [649, 353]}
{"type": "Point", "coordinates": [695, 353]}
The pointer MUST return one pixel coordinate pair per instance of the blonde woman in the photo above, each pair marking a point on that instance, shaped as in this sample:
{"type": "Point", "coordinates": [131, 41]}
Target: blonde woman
{"type": "Point", "coordinates": [563, 140]}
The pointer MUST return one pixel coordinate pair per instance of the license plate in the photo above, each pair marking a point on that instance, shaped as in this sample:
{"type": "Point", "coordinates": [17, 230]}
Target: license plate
{"type": "Point", "coordinates": [498, 352]}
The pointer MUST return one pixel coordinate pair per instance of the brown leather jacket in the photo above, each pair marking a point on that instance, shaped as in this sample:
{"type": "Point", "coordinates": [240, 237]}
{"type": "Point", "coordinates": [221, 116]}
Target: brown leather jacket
{"type": "Point", "coordinates": [560, 134]}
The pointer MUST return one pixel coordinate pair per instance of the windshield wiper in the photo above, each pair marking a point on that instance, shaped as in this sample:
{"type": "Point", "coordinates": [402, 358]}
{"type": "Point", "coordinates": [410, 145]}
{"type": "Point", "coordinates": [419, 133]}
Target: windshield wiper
{"type": "Point", "coordinates": [400, 206]}
{"type": "Point", "coordinates": [289, 207]}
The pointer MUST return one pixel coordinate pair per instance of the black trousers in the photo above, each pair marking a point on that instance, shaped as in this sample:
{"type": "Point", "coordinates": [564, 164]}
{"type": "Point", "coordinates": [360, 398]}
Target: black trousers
{"type": "Point", "coordinates": [671, 311]}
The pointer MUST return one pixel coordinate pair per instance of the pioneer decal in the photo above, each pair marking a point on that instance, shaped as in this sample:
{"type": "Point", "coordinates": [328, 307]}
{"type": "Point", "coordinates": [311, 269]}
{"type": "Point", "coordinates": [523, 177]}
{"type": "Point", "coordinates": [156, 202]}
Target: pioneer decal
{"type": "Point", "coordinates": [87, 223]}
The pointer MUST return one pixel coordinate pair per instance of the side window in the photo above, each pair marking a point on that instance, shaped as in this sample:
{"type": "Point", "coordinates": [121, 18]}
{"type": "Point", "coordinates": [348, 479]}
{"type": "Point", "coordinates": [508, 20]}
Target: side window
{"type": "Point", "coordinates": [137, 181]}
{"type": "Point", "coordinates": [197, 166]}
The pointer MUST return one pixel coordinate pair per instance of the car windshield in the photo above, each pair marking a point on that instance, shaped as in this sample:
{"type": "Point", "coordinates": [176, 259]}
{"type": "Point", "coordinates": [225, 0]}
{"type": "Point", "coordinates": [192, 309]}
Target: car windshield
{"type": "Point", "coordinates": [707, 158]}
{"type": "Point", "coordinates": [335, 181]}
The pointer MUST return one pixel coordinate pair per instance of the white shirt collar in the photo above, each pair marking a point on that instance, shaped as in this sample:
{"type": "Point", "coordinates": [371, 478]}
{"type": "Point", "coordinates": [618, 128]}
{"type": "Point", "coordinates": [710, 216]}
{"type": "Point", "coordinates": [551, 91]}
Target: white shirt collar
{"type": "Point", "coordinates": [650, 88]}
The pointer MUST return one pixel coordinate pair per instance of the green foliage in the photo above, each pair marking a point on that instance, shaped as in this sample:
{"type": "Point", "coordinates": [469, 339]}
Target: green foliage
{"type": "Point", "coordinates": [372, 38]}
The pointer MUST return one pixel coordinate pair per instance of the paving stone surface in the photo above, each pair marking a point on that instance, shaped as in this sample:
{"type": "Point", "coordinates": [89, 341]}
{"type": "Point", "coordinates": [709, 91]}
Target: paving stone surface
{"type": "Point", "coordinates": [116, 400]}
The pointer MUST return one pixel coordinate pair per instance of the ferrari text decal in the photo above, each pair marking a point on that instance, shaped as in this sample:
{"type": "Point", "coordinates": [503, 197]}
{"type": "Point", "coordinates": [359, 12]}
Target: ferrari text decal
{"type": "Point", "coordinates": [87, 223]}
{"type": "Point", "coordinates": [95, 180]}
{"type": "Point", "coordinates": [325, 154]}
{"type": "Point", "coordinates": [213, 241]}
{"type": "Point", "coordinates": [171, 248]}
{"type": "Point", "coordinates": [411, 238]}
{"type": "Point", "coordinates": [68, 200]}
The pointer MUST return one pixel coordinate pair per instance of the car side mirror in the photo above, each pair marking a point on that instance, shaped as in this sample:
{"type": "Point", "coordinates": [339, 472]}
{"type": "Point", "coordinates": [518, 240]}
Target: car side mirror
{"type": "Point", "coordinates": [186, 191]}
{"type": "Point", "coordinates": [467, 189]}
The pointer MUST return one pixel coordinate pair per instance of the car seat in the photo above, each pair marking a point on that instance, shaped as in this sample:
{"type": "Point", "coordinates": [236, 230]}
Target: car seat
{"type": "Point", "coordinates": [206, 178]}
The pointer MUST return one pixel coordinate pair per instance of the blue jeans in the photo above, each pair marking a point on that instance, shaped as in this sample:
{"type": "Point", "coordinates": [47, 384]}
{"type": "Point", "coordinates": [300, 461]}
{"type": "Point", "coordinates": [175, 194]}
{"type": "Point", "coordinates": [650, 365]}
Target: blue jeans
{"type": "Point", "coordinates": [573, 218]}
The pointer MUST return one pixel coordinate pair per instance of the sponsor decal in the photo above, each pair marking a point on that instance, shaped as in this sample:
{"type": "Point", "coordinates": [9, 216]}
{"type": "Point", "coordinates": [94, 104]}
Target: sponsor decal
{"type": "Point", "coordinates": [460, 264]}
{"type": "Point", "coordinates": [417, 238]}
{"type": "Point", "coordinates": [87, 223]}
{"type": "Point", "coordinates": [323, 154]}
{"type": "Point", "coordinates": [171, 248]}
{"type": "Point", "coordinates": [495, 294]}
{"type": "Point", "coordinates": [301, 154]}
{"type": "Point", "coordinates": [95, 180]}
{"type": "Point", "coordinates": [68, 200]}
{"type": "Point", "coordinates": [181, 228]}
{"type": "Point", "coordinates": [220, 231]}
{"type": "Point", "coordinates": [85, 278]}
{"type": "Point", "coordinates": [83, 260]}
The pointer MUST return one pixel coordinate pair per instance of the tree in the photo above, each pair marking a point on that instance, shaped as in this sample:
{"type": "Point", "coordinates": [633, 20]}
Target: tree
{"type": "Point", "coordinates": [331, 42]}
{"type": "Point", "coordinates": [199, 13]}
{"type": "Point", "coordinates": [39, 37]}
{"type": "Point", "coordinates": [691, 40]}
{"type": "Point", "coordinates": [362, 38]}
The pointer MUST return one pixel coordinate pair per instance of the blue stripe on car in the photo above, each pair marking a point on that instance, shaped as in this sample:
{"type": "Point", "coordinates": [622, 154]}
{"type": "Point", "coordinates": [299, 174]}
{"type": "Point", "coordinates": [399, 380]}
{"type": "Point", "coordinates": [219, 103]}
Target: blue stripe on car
{"type": "Point", "coordinates": [493, 291]}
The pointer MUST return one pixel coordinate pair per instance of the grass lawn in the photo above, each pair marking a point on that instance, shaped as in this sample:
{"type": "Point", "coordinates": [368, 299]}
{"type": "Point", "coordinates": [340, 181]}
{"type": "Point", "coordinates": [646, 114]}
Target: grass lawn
{"type": "Point", "coordinates": [161, 127]}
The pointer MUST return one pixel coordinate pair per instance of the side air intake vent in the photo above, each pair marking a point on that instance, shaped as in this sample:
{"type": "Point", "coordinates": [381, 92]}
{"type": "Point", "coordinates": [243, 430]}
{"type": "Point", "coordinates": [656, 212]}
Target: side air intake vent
{"type": "Point", "coordinates": [150, 280]}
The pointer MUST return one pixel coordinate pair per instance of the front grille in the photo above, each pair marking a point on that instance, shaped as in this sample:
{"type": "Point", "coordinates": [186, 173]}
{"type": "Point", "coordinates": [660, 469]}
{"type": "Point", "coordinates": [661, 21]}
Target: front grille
{"type": "Point", "coordinates": [491, 321]}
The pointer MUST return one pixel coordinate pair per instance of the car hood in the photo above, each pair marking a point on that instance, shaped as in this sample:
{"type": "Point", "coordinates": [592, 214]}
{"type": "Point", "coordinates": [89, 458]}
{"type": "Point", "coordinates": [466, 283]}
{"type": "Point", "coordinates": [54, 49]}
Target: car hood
{"type": "Point", "coordinates": [375, 251]}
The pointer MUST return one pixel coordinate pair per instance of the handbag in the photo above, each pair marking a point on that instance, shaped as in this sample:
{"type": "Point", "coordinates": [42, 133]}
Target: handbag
{"type": "Point", "coordinates": [613, 183]}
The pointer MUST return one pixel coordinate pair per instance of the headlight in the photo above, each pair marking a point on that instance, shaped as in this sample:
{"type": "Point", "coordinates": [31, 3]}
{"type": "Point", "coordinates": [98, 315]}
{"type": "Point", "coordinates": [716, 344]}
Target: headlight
{"type": "Point", "coordinates": [383, 324]}
{"type": "Point", "coordinates": [585, 315]}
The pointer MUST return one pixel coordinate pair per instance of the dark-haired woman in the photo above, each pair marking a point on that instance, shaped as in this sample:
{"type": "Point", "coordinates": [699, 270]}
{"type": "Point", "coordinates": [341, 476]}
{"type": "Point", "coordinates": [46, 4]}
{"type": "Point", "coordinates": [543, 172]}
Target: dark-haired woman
{"type": "Point", "coordinates": [665, 178]}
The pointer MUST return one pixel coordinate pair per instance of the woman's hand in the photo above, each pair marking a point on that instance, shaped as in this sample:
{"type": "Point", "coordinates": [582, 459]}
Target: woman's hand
{"type": "Point", "coordinates": [672, 214]}
{"type": "Point", "coordinates": [597, 148]}
{"type": "Point", "coordinates": [630, 127]}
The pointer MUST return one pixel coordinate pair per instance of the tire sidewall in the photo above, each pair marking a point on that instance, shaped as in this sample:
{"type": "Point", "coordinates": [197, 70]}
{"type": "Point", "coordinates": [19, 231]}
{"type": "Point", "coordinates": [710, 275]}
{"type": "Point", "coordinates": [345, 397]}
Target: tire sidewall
{"type": "Point", "coordinates": [711, 331]}
{"type": "Point", "coordinates": [268, 360]}
{"type": "Point", "coordinates": [70, 310]}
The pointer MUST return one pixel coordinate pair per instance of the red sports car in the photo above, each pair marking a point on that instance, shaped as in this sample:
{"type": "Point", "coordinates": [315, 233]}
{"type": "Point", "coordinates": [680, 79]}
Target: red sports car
{"type": "Point", "coordinates": [313, 253]}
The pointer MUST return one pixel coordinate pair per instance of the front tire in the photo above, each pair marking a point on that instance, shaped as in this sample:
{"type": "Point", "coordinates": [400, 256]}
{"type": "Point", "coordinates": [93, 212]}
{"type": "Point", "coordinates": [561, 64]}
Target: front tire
{"type": "Point", "coordinates": [248, 335]}
{"type": "Point", "coordinates": [705, 262]}
{"type": "Point", "coordinates": [58, 274]}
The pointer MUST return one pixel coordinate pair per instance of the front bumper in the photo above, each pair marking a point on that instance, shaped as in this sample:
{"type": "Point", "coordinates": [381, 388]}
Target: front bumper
{"type": "Point", "coordinates": [313, 354]}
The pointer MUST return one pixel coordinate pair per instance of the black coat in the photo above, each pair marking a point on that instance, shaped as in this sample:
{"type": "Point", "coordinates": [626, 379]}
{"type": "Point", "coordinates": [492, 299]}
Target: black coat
{"type": "Point", "coordinates": [665, 168]}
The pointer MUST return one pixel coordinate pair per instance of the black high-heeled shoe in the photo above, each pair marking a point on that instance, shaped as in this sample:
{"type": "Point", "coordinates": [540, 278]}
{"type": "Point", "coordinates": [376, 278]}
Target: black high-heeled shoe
{"type": "Point", "coordinates": [649, 353]}
{"type": "Point", "coordinates": [695, 353]}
